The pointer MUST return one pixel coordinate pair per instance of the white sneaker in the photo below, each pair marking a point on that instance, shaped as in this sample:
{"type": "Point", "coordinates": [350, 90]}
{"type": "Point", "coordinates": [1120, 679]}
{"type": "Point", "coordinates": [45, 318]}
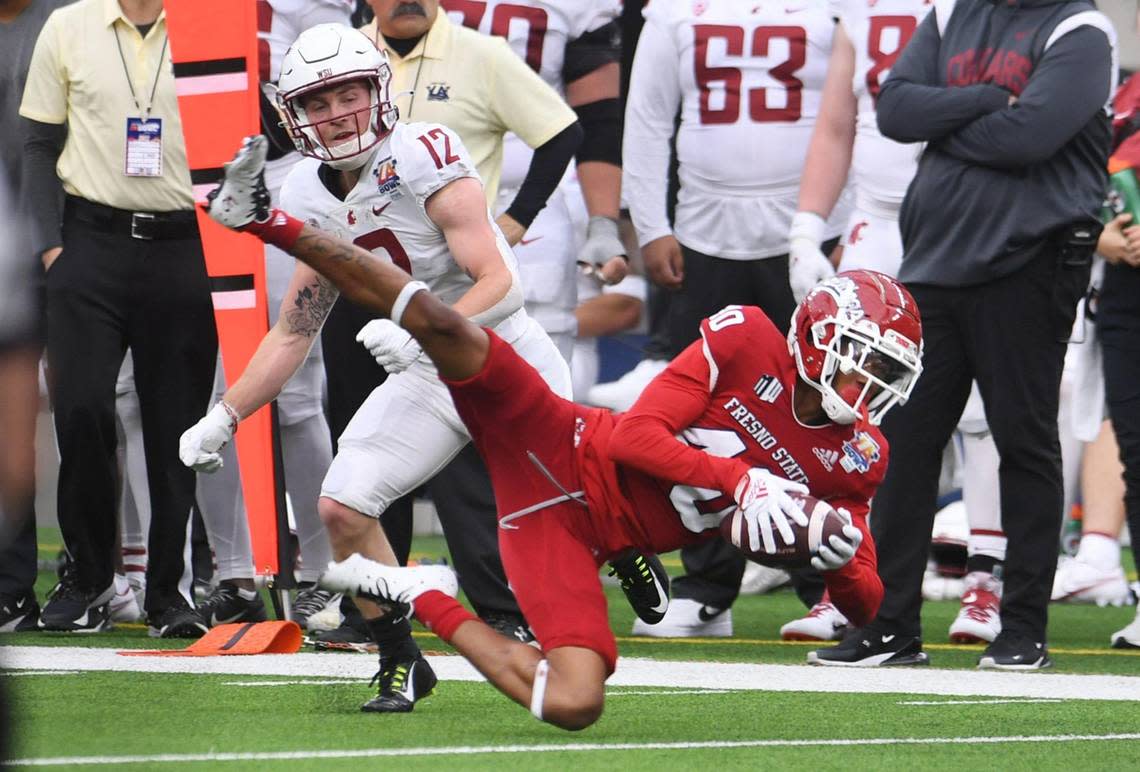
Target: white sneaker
{"type": "Point", "coordinates": [935, 586]}
{"type": "Point", "coordinates": [689, 619]}
{"type": "Point", "coordinates": [620, 395]}
{"type": "Point", "coordinates": [1129, 637]}
{"type": "Point", "coordinates": [124, 604]}
{"type": "Point", "coordinates": [823, 623]}
{"type": "Point", "coordinates": [1079, 582]}
{"type": "Point", "coordinates": [979, 618]}
{"type": "Point", "coordinates": [242, 197]}
{"type": "Point", "coordinates": [392, 584]}
{"type": "Point", "coordinates": [760, 579]}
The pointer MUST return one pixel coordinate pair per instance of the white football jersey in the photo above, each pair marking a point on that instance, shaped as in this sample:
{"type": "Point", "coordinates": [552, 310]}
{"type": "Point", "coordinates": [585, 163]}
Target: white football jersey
{"type": "Point", "coordinates": [538, 32]}
{"type": "Point", "coordinates": [385, 212]}
{"type": "Point", "coordinates": [279, 22]}
{"type": "Point", "coordinates": [748, 77]}
{"type": "Point", "coordinates": [879, 31]}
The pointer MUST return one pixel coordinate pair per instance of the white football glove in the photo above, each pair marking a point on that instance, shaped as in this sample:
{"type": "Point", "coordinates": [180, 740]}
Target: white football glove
{"type": "Point", "coordinates": [392, 346]}
{"type": "Point", "coordinates": [764, 501]}
{"type": "Point", "coordinates": [198, 448]}
{"type": "Point", "coordinates": [602, 242]}
{"type": "Point", "coordinates": [242, 198]}
{"type": "Point", "coordinates": [807, 265]}
{"type": "Point", "coordinates": [839, 552]}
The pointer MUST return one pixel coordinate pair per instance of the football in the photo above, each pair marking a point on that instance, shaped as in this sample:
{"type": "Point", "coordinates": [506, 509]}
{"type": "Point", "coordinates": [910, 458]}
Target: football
{"type": "Point", "coordinates": [823, 522]}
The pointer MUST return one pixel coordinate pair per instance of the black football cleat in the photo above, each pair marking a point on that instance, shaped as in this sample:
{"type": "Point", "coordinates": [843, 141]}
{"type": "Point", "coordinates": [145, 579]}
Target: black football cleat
{"type": "Point", "coordinates": [645, 584]}
{"type": "Point", "coordinates": [869, 647]}
{"type": "Point", "coordinates": [404, 681]}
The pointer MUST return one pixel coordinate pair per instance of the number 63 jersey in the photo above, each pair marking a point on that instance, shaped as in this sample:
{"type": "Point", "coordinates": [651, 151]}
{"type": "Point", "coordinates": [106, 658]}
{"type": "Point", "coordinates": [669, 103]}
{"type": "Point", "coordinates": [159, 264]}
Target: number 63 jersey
{"type": "Point", "coordinates": [748, 77]}
{"type": "Point", "coordinates": [384, 213]}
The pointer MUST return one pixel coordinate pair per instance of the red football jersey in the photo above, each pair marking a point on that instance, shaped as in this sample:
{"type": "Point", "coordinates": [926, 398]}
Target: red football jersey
{"type": "Point", "coordinates": [662, 475]}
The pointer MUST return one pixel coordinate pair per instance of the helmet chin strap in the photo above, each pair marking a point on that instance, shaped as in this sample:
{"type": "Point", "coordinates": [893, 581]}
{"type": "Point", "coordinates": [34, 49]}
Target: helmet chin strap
{"type": "Point", "coordinates": [839, 410]}
{"type": "Point", "coordinates": [357, 160]}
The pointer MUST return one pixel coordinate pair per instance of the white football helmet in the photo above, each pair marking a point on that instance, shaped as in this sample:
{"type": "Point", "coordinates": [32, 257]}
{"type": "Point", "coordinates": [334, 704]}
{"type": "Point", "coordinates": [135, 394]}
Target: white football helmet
{"type": "Point", "coordinates": [327, 55]}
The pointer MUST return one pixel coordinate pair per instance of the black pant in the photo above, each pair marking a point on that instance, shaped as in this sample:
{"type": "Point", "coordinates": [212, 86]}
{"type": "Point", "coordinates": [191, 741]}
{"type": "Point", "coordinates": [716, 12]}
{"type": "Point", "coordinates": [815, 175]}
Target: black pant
{"type": "Point", "coordinates": [1118, 326]}
{"type": "Point", "coordinates": [1009, 335]}
{"type": "Point", "coordinates": [713, 569]}
{"type": "Point", "coordinates": [18, 565]}
{"type": "Point", "coordinates": [462, 491]}
{"type": "Point", "coordinates": [106, 292]}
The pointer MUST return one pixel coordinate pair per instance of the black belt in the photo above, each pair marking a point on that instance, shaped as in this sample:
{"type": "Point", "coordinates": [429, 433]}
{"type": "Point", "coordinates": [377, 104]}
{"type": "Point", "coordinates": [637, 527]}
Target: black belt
{"type": "Point", "coordinates": [182, 224]}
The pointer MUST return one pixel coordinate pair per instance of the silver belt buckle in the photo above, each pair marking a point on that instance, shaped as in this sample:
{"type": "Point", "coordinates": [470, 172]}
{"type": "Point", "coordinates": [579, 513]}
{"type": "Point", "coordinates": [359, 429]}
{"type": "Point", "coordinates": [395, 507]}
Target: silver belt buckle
{"type": "Point", "coordinates": [141, 218]}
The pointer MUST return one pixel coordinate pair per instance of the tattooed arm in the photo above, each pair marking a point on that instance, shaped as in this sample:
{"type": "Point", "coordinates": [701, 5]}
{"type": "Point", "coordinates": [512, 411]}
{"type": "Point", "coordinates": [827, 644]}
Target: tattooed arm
{"type": "Point", "coordinates": [283, 350]}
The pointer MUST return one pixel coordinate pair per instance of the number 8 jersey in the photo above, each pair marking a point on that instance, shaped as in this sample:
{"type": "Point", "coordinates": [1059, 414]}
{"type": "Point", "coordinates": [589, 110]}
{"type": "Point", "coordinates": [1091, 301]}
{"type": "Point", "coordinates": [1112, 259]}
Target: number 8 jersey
{"type": "Point", "coordinates": [384, 213]}
{"type": "Point", "coordinates": [748, 76]}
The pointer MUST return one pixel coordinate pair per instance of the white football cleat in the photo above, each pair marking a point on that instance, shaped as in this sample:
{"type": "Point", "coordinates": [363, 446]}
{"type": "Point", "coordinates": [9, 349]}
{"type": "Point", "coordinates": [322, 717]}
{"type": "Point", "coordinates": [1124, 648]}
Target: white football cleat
{"type": "Point", "coordinates": [242, 197]}
{"type": "Point", "coordinates": [760, 579]}
{"type": "Point", "coordinates": [125, 606]}
{"type": "Point", "coordinates": [823, 623]}
{"type": "Point", "coordinates": [688, 619]}
{"type": "Point", "coordinates": [358, 575]}
{"type": "Point", "coordinates": [1129, 637]}
{"type": "Point", "coordinates": [620, 395]}
{"type": "Point", "coordinates": [1079, 582]}
{"type": "Point", "coordinates": [979, 618]}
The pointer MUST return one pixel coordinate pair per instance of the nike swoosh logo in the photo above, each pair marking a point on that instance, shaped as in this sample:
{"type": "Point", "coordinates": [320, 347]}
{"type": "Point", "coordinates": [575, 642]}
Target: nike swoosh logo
{"type": "Point", "coordinates": [376, 210]}
{"type": "Point", "coordinates": [888, 638]}
{"type": "Point", "coordinates": [708, 613]}
{"type": "Point", "coordinates": [409, 690]}
{"type": "Point", "coordinates": [969, 598]}
{"type": "Point", "coordinates": [524, 242]}
{"type": "Point", "coordinates": [217, 621]}
{"type": "Point", "coordinates": [82, 621]}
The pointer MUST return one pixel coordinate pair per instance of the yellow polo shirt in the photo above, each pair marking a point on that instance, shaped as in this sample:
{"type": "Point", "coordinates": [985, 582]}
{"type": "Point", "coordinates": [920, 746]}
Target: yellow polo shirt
{"type": "Point", "coordinates": [77, 77]}
{"type": "Point", "coordinates": [477, 87]}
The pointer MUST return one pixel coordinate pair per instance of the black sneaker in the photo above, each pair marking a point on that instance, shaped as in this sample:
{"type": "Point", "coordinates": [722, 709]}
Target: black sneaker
{"type": "Point", "coordinates": [347, 637]}
{"type": "Point", "coordinates": [509, 625]}
{"type": "Point", "coordinates": [645, 584]}
{"type": "Point", "coordinates": [1007, 653]}
{"type": "Point", "coordinates": [19, 613]}
{"type": "Point", "coordinates": [71, 608]}
{"type": "Point", "coordinates": [871, 648]}
{"type": "Point", "coordinates": [179, 621]}
{"type": "Point", "coordinates": [226, 604]}
{"type": "Point", "coordinates": [312, 600]}
{"type": "Point", "coordinates": [404, 681]}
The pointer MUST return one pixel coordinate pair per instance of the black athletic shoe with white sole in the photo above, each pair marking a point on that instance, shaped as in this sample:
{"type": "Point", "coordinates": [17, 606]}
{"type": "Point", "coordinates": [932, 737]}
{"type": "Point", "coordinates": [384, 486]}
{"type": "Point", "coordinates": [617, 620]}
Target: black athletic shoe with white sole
{"type": "Point", "coordinates": [228, 604]}
{"type": "Point", "coordinates": [71, 608]}
{"type": "Point", "coordinates": [404, 680]}
{"type": "Point", "coordinates": [1007, 653]}
{"type": "Point", "coordinates": [511, 625]}
{"type": "Point", "coordinates": [871, 648]}
{"type": "Point", "coordinates": [19, 613]}
{"type": "Point", "coordinates": [645, 584]}
{"type": "Point", "coordinates": [179, 621]}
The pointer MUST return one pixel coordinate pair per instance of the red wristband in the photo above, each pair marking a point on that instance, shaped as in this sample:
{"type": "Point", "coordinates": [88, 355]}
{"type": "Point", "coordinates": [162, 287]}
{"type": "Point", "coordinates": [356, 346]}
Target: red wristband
{"type": "Point", "coordinates": [441, 613]}
{"type": "Point", "coordinates": [281, 229]}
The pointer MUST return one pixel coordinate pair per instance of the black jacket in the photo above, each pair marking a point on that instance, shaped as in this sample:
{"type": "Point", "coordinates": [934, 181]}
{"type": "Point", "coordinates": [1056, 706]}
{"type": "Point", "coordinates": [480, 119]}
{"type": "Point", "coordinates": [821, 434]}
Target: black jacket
{"type": "Point", "coordinates": [995, 179]}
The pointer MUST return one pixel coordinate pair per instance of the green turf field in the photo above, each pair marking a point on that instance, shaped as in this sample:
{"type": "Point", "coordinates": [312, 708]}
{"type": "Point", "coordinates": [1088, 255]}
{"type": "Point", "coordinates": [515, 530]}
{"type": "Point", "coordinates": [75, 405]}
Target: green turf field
{"type": "Point", "coordinates": [151, 720]}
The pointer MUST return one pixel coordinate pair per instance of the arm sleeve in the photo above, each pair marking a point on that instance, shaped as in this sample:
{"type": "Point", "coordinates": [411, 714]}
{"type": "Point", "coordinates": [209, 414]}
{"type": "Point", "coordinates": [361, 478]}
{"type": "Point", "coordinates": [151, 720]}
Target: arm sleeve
{"type": "Point", "coordinates": [1068, 87]}
{"type": "Point", "coordinates": [521, 101]}
{"type": "Point", "coordinates": [856, 589]}
{"type": "Point", "coordinates": [645, 438]}
{"type": "Point", "coordinates": [547, 166]}
{"type": "Point", "coordinates": [914, 107]}
{"type": "Point", "coordinates": [43, 191]}
{"type": "Point", "coordinates": [651, 107]}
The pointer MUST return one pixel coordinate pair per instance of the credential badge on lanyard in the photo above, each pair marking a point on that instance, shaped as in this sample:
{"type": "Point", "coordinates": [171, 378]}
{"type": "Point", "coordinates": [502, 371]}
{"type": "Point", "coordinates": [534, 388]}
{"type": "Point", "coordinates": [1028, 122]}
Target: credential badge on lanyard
{"type": "Point", "coordinates": [143, 157]}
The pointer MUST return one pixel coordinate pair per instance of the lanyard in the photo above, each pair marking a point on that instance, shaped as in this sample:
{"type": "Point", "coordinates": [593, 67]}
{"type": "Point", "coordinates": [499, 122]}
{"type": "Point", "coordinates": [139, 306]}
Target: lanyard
{"type": "Point", "coordinates": [131, 85]}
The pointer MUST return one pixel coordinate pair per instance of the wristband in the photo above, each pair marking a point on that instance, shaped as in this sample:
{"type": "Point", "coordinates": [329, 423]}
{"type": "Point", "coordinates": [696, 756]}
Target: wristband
{"type": "Point", "coordinates": [279, 229]}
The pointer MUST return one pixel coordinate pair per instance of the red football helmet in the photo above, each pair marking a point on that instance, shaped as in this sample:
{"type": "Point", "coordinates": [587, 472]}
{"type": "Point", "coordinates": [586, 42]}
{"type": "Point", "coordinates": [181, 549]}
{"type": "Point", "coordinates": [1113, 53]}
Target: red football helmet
{"type": "Point", "coordinates": [863, 322]}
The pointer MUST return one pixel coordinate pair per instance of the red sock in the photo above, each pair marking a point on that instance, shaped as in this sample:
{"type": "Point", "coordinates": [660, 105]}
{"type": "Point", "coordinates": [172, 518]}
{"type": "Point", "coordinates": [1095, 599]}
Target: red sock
{"type": "Point", "coordinates": [441, 613]}
{"type": "Point", "coordinates": [281, 230]}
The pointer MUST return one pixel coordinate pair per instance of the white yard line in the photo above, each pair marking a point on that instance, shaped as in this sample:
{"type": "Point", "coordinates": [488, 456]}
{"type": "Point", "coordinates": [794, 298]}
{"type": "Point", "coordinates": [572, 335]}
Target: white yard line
{"type": "Point", "coordinates": [471, 750]}
{"type": "Point", "coordinates": [975, 702]}
{"type": "Point", "coordinates": [635, 672]}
